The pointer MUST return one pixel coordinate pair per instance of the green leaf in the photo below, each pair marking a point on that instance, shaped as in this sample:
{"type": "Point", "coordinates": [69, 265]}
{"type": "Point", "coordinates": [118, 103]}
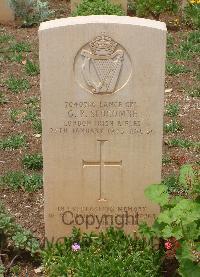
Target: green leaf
{"type": "Point", "coordinates": [189, 269]}
{"type": "Point", "coordinates": [184, 252]}
{"type": "Point", "coordinates": [186, 175]}
{"type": "Point", "coordinates": [174, 231]}
{"type": "Point", "coordinates": [157, 194]}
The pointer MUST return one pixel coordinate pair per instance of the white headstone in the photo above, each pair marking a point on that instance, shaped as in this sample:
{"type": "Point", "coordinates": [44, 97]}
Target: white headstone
{"type": "Point", "coordinates": [102, 84]}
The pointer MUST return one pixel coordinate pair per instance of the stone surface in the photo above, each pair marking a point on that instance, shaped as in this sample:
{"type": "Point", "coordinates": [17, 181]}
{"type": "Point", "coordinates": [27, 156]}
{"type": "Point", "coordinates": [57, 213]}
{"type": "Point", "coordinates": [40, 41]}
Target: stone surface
{"type": "Point", "coordinates": [6, 13]}
{"type": "Point", "coordinates": [102, 84]}
{"type": "Point", "coordinates": [123, 3]}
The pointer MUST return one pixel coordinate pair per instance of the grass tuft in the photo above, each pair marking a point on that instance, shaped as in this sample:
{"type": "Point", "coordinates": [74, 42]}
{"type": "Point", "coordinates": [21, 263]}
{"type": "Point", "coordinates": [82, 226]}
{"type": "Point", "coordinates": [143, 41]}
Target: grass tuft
{"type": "Point", "coordinates": [17, 85]}
{"type": "Point", "coordinates": [13, 142]}
{"type": "Point", "coordinates": [34, 161]}
{"type": "Point", "coordinates": [18, 179]}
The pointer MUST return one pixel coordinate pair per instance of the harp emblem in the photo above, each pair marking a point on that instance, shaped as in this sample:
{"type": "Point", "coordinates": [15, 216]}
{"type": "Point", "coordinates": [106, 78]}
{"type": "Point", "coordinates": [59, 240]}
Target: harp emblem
{"type": "Point", "coordinates": [102, 63]}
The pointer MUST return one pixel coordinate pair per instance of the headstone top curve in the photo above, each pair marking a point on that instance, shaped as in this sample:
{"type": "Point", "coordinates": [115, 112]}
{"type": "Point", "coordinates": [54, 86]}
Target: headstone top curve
{"type": "Point", "coordinates": [107, 19]}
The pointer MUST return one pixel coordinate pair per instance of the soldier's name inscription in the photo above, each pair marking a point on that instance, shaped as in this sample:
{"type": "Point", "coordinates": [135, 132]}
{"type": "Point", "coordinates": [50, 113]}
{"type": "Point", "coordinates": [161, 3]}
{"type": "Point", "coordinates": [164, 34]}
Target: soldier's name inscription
{"type": "Point", "coordinates": [101, 118]}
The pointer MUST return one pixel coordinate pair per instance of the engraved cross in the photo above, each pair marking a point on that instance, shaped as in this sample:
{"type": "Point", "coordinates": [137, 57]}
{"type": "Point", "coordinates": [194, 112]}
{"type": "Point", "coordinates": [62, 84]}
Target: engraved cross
{"type": "Point", "coordinates": [101, 165]}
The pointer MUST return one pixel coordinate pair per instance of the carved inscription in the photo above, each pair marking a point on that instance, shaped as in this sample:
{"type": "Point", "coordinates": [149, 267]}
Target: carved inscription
{"type": "Point", "coordinates": [99, 66]}
{"type": "Point", "coordinates": [101, 164]}
{"type": "Point", "coordinates": [101, 118]}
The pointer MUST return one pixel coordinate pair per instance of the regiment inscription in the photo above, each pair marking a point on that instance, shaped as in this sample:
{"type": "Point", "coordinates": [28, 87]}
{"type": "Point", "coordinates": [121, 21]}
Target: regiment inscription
{"type": "Point", "coordinates": [102, 83]}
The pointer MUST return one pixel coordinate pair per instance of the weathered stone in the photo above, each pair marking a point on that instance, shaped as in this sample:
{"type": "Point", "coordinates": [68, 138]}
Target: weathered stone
{"type": "Point", "coordinates": [6, 13]}
{"type": "Point", "coordinates": [102, 84]}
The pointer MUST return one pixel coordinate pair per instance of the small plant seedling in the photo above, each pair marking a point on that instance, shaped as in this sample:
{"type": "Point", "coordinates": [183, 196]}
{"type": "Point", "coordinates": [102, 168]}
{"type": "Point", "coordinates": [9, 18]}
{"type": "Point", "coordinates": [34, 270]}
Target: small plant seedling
{"type": "Point", "coordinates": [31, 68]}
{"type": "Point", "coordinates": [175, 69]}
{"type": "Point", "coordinates": [166, 160]}
{"type": "Point", "coordinates": [20, 47]}
{"type": "Point", "coordinates": [17, 115]}
{"type": "Point", "coordinates": [34, 161]}
{"type": "Point", "coordinates": [3, 99]}
{"type": "Point", "coordinates": [13, 142]}
{"type": "Point", "coordinates": [18, 179]}
{"type": "Point", "coordinates": [5, 38]}
{"type": "Point", "coordinates": [17, 85]}
{"type": "Point", "coordinates": [31, 114]}
{"type": "Point", "coordinates": [32, 101]}
{"type": "Point", "coordinates": [16, 58]}
{"type": "Point", "coordinates": [194, 92]}
{"type": "Point", "coordinates": [173, 127]}
{"type": "Point", "coordinates": [183, 143]}
{"type": "Point", "coordinates": [172, 110]}
{"type": "Point", "coordinates": [15, 239]}
{"type": "Point", "coordinates": [37, 126]}
{"type": "Point", "coordinates": [170, 40]}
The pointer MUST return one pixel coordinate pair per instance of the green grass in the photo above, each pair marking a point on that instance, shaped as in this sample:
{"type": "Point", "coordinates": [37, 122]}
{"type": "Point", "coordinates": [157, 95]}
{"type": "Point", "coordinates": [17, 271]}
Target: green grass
{"type": "Point", "coordinates": [33, 162]}
{"type": "Point", "coordinates": [3, 99]}
{"type": "Point", "coordinates": [13, 142]}
{"type": "Point", "coordinates": [183, 143]}
{"type": "Point", "coordinates": [22, 115]}
{"type": "Point", "coordinates": [166, 160]}
{"type": "Point", "coordinates": [19, 180]}
{"type": "Point", "coordinates": [20, 47]}
{"type": "Point", "coordinates": [110, 253]}
{"type": "Point", "coordinates": [16, 58]}
{"type": "Point", "coordinates": [173, 126]}
{"type": "Point", "coordinates": [31, 68]}
{"type": "Point", "coordinates": [17, 85]}
{"type": "Point", "coordinates": [170, 40]}
{"type": "Point", "coordinates": [6, 38]}
{"type": "Point", "coordinates": [37, 126]}
{"type": "Point", "coordinates": [175, 69]}
{"type": "Point", "coordinates": [16, 115]}
{"type": "Point", "coordinates": [172, 109]}
{"type": "Point", "coordinates": [33, 101]}
{"type": "Point", "coordinates": [187, 48]}
{"type": "Point", "coordinates": [194, 92]}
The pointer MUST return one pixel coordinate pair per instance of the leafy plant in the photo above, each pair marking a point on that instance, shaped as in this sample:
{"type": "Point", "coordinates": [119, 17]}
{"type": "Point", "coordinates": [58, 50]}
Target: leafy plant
{"type": "Point", "coordinates": [173, 126]}
{"type": "Point", "coordinates": [13, 142]}
{"type": "Point", "coordinates": [33, 101]}
{"type": "Point", "coordinates": [175, 69]}
{"type": "Point", "coordinates": [172, 109]}
{"type": "Point", "coordinates": [183, 143]}
{"type": "Point", "coordinates": [31, 12]}
{"type": "Point", "coordinates": [14, 239]}
{"type": "Point", "coordinates": [20, 47]}
{"type": "Point", "coordinates": [110, 253]}
{"type": "Point", "coordinates": [31, 68]}
{"type": "Point", "coordinates": [5, 38]}
{"type": "Point", "coordinates": [194, 92]}
{"type": "Point", "coordinates": [192, 14]}
{"type": "Point", "coordinates": [97, 7]}
{"type": "Point", "coordinates": [37, 125]}
{"type": "Point", "coordinates": [17, 85]}
{"type": "Point", "coordinates": [32, 161]}
{"type": "Point", "coordinates": [155, 8]}
{"type": "Point", "coordinates": [179, 220]}
{"type": "Point", "coordinates": [18, 179]}
{"type": "Point", "coordinates": [166, 160]}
